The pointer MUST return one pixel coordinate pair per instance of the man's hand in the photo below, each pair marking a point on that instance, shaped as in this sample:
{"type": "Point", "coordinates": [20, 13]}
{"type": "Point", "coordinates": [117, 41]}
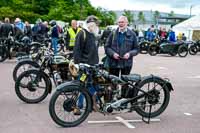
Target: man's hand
{"type": "Point", "coordinates": [126, 56]}
{"type": "Point", "coordinates": [116, 56]}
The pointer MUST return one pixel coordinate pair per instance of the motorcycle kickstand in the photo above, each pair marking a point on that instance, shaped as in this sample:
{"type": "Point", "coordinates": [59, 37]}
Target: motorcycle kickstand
{"type": "Point", "coordinates": [149, 117]}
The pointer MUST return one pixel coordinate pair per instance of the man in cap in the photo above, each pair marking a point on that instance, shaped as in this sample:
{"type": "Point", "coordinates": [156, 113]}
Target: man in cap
{"type": "Point", "coordinates": [86, 51]}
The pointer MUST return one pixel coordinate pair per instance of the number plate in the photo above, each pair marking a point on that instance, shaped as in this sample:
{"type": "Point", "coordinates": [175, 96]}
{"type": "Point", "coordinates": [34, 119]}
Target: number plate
{"type": "Point", "coordinates": [83, 77]}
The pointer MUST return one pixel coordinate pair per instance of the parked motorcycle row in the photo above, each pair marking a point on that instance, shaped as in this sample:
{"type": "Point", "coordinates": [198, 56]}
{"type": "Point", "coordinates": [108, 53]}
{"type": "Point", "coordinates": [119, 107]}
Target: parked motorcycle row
{"type": "Point", "coordinates": [161, 46]}
{"type": "Point", "coordinates": [79, 88]}
{"type": "Point", "coordinates": [84, 88]}
{"type": "Point", "coordinates": [10, 47]}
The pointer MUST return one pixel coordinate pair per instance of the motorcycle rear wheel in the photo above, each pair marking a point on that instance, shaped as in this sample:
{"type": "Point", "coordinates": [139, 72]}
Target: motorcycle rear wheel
{"type": "Point", "coordinates": [154, 87]}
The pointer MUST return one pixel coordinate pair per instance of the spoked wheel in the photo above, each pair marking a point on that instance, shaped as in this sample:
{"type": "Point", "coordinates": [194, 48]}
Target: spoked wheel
{"type": "Point", "coordinates": [144, 47]}
{"type": "Point", "coordinates": [193, 50]}
{"type": "Point", "coordinates": [182, 51]}
{"type": "Point", "coordinates": [173, 53]}
{"type": "Point", "coordinates": [32, 86]}
{"type": "Point", "coordinates": [153, 50]}
{"type": "Point", "coordinates": [23, 66]}
{"type": "Point", "coordinates": [156, 100]}
{"type": "Point", "coordinates": [3, 53]}
{"type": "Point", "coordinates": [65, 108]}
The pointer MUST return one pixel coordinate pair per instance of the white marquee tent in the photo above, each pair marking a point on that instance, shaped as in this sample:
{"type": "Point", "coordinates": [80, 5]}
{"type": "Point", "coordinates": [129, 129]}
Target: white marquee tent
{"type": "Point", "coordinates": [188, 26]}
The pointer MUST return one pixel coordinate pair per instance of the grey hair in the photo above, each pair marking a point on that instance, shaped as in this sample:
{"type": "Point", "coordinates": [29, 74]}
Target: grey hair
{"type": "Point", "coordinates": [124, 18]}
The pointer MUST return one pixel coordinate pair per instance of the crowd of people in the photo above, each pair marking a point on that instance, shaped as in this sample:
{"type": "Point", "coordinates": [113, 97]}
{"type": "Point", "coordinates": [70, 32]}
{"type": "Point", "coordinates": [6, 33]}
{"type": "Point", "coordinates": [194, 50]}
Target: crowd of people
{"type": "Point", "coordinates": [161, 33]}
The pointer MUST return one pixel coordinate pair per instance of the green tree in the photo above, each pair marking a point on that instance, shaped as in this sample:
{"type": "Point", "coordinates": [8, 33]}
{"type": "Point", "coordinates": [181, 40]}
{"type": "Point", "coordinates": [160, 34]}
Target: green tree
{"type": "Point", "coordinates": [129, 16]}
{"type": "Point", "coordinates": [141, 17]}
{"type": "Point", "coordinates": [65, 10]}
{"type": "Point", "coordinates": [156, 16]}
{"type": "Point", "coordinates": [42, 6]}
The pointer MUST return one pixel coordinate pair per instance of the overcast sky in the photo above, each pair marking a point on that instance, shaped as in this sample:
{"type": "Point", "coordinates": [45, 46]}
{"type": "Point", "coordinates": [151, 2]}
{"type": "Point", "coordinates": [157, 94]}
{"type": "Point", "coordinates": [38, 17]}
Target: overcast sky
{"type": "Point", "coordinates": [178, 6]}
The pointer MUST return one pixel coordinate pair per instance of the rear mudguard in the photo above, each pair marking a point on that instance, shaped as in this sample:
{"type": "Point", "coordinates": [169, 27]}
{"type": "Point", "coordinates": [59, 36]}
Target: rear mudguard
{"type": "Point", "coordinates": [35, 64]}
{"type": "Point", "coordinates": [163, 81]}
{"type": "Point", "coordinates": [73, 84]}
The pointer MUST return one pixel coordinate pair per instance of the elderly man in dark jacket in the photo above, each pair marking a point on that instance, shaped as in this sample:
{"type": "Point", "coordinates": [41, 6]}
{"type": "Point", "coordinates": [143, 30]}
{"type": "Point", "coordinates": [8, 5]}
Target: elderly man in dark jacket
{"type": "Point", "coordinates": [120, 48]}
{"type": "Point", "coordinates": [85, 49]}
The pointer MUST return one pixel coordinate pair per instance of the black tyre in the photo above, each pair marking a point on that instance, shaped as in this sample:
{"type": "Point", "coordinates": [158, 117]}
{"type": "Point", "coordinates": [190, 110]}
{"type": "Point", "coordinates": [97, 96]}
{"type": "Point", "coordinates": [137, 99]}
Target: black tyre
{"type": "Point", "coordinates": [3, 53]}
{"type": "Point", "coordinates": [173, 53]}
{"type": "Point", "coordinates": [22, 66]}
{"type": "Point", "coordinates": [193, 50]}
{"type": "Point", "coordinates": [182, 51]}
{"type": "Point", "coordinates": [159, 101]}
{"type": "Point", "coordinates": [153, 50]}
{"type": "Point", "coordinates": [144, 47]}
{"type": "Point", "coordinates": [64, 102]}
{"type": "Point", "coordinates": [36, 86]}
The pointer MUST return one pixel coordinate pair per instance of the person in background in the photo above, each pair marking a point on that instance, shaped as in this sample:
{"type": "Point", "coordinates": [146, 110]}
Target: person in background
{"type": "Point", "coordinates": [151, 34]}
{"type": "Point", "coordinates": [179, 37]}
{"type": "Point", "coordinates": [105, 35]}
{"type": "Point", "coordinates": [19, 24]}
{"type": "Point", "coordinates": [184, 38]}
{"type": "Point", "coordinates": [171, 36]}
{"type": "Point", "coordinates": [46, 28]}
{"type": "Point", "coordinates": [28, 30]}
{"type": "Point", "coordinates": [7, 29]}
{"type": "Point", "coordinates": [71, 35]}
{"type": "Point", "coordinates": [54, 35]}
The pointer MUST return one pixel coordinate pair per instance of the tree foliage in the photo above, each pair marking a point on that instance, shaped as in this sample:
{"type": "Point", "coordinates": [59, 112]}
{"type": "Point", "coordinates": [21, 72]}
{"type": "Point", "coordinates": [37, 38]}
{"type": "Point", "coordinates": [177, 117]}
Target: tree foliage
{"type": "Point", "coordinates": [141, 17]}
{"type": "Point", "coordinates": [171, 14]}
{"type": "Point", "coordinates": [129, 16]}
{"type": "Point", "coordinates": [156, 16]}
{"type": "Point", "coordinates": [65, 10]}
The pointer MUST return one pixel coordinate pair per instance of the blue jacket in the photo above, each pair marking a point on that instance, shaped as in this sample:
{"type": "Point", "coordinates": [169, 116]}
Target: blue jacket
{"type": "Point", "coordinates": [120, 44]}
{"type": "Point", "coordinates": [150, 35]}
{"type": "Point", "coordinates": [54, 33]}
{"type": "Point", "coordinates": [172, 36]}
{"type": "Point", "coordinates": [20, 25]}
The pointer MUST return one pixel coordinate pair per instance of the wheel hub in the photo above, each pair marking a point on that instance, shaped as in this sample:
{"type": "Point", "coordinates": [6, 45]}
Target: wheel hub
{"type": "Point", "coordinates": [30, 87]}
{"type": "Point", "coordinates": [154, 98]}
{"type": "Point", "coordinates": [67, 105]}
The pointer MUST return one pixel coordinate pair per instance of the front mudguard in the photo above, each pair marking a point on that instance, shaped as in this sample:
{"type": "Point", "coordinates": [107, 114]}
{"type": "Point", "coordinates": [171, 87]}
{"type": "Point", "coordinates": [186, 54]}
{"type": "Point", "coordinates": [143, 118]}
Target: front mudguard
{"type": "Point", "coordinates": [164, 82]}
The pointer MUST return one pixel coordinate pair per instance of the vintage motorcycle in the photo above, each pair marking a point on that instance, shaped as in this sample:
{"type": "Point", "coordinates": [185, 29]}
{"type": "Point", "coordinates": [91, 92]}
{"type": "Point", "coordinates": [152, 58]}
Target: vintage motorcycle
{"type": "Point", "coordinates": [171, 48]}
{"type": "Point", "coordinates": [34, 84]}
{"type": "Point", "coordinates": [96, 90]}
{"type": "Point", "coordinates": [9, 46]}
{"type": "Point", "coordinates": [195, 48]}
{"type": "Point", "coordinates": [34, 61]}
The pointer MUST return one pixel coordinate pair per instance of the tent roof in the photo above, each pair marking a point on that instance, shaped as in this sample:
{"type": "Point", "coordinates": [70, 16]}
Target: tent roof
{"type": "Point", "coordinates": [189, 24]}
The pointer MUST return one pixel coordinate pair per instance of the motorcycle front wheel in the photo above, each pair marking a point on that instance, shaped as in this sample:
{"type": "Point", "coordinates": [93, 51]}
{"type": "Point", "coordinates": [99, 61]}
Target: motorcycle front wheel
{"type": "Point", "coordinates": [65, 103]}
{"type": "Point", "coordinates": [32, 86]}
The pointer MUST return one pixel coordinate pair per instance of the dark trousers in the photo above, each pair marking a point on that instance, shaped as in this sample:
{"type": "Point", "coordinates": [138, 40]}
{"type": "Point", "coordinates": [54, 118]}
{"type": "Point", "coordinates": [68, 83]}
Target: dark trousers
{"type": "Point", "coordinates": [124, 71]}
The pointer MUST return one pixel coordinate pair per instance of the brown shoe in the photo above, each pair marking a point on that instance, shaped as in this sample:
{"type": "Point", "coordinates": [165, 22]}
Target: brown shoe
{"type": "Point", "coordinates": [77, 111]}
